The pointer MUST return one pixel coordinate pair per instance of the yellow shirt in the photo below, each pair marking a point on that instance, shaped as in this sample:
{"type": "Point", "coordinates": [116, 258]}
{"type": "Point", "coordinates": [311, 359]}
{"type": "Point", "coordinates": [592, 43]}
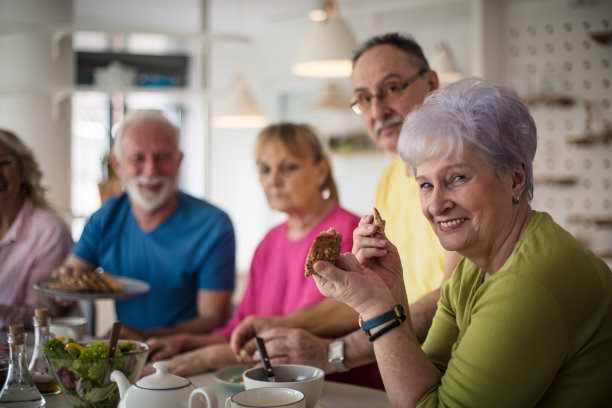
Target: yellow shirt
{"type": "Point", "coordinates": [397, 200]}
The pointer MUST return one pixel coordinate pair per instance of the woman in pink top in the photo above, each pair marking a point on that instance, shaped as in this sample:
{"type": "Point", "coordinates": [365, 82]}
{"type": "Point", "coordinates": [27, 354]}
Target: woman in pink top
{"type": "Point", "coordinates": [34, 240]}
{"type": "Point", "coordinates": [296, 178]}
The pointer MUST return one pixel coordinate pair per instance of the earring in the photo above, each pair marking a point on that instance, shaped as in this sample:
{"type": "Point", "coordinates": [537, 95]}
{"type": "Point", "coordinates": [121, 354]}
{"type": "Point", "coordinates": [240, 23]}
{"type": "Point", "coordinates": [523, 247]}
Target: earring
{"type": "Point", "coordinates": [325, 193]}
{"type": "Point", "coordinates": [516, 200]}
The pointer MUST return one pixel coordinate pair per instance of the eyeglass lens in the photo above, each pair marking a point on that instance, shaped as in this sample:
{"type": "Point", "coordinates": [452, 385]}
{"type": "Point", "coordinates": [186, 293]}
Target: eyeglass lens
{"type": "Point", "coordinates": [388, 92]}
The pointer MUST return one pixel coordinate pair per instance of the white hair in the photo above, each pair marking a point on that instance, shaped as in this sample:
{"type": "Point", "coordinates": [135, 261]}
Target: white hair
{"type": "Point", "coordinates": [143, 115]}
{"type": "Point", "coordinates": [489, 119]}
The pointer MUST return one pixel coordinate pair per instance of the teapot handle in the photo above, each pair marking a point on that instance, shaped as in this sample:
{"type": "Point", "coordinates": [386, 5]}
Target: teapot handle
{"type": "Point", "coordinates": [209, 395]}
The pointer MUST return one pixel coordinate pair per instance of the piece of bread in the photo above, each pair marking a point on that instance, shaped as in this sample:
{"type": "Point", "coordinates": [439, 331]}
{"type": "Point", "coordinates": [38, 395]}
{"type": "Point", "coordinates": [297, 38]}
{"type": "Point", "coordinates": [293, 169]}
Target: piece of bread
{"type": "Point", "coordinates": [378, 221]}
{"type": "Point", "coordinates": [79, 280]}
{"type": "Point", "coordinates": [326, 246]}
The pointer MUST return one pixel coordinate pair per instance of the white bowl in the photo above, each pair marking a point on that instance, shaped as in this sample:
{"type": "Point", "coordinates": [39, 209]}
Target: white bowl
{"type": "Point", "coordinates": [68, 327]}
{"type": "Point", "coordinates": [303, 378]}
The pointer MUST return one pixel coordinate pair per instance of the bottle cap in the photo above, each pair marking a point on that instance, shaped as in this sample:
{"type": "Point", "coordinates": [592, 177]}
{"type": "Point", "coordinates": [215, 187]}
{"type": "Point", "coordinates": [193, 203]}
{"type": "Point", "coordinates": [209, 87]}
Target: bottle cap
{"type": "Point", "coordinates": [41, 313]}
{"type": "Point", "coordinates": [16, 329]}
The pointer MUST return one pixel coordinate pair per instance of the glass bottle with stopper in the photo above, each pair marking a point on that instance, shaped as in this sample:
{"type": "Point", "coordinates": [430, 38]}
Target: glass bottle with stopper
{"type": "Point", "coordinates": [19, 389]}
{"type": "Point", "coordinates": [39, 368]}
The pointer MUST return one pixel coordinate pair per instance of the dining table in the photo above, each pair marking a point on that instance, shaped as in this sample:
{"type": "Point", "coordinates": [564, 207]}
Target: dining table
{"type": "Point", "coordinates": [334, 394]}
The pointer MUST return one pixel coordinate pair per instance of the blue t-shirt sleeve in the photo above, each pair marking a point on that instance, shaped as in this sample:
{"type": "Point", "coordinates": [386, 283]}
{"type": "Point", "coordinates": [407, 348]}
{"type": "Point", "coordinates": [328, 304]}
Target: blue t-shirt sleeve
{"type": "Point", "coordinates": [88, 244]}
{"type": "Point", "coordinates": [218, 271]}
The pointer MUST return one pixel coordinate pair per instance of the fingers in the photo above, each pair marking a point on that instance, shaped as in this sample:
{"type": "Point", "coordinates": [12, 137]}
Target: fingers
{"type": "Point", "coordinates": [241, 334]}
{"type": "Point", "coordinates": [147, 370]}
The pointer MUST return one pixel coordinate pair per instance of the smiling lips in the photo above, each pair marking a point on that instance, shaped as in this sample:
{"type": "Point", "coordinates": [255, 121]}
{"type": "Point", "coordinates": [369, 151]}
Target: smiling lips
{"type": "Point", "coordinates": [450, 225]}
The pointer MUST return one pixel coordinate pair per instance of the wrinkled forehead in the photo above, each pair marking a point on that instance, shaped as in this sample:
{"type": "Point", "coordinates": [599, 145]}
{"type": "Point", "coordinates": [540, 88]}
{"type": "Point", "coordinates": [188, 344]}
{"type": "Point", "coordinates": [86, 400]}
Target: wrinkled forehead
{"type": "Point", "coordinates": [147, 133]}
{"type": "Point", "coordinates": [380, 63]}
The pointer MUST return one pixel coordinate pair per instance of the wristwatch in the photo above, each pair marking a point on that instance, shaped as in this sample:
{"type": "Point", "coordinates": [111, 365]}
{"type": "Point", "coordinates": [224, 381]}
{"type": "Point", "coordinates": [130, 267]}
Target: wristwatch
{"type": "Point", "coordinates": [335, 355]}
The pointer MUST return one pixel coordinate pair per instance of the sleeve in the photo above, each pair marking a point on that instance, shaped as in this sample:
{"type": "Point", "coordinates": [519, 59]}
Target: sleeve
{"type": "Point", "coordinates": [55, 243]}
{"type": "Point", "coordinates": [506, 337]}
{"type": "Point", "coordinates": [218, 271]}
{"type": "Point", "coordinates": [89, 242]}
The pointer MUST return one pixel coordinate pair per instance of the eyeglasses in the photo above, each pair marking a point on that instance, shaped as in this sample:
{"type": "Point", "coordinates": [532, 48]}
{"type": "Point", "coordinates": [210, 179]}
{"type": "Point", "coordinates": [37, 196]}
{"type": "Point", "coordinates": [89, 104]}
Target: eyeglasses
{"type": "Point", "coordinates": [8, 161]}
{"type": "Point", "coordinates": [389, 92]}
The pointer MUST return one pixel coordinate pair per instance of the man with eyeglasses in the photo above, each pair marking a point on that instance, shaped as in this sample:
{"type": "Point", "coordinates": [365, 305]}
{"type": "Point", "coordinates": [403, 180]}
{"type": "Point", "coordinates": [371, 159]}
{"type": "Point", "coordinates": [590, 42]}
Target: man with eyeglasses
{"type": "Point", "coordinates": [391, 76]}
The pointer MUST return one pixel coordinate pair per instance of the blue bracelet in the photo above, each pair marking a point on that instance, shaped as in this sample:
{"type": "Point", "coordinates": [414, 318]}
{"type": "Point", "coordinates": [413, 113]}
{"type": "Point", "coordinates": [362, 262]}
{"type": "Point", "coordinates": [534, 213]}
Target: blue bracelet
{"type": "Point", "coordinates": [396, 313]}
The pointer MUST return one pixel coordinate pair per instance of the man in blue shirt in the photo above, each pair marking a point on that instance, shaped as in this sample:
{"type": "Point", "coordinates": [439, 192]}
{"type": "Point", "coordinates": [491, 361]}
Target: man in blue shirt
{"type": "Point", "coordinates": [182, 246]}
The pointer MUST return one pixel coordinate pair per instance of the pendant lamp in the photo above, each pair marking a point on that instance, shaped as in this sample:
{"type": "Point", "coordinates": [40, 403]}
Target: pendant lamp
{"type": "Point", "coordinates": [443, 62]}
{"type": "Point", "coordinates": [237, 108]}
{"type": "Point", "coordinates": [327, 49]}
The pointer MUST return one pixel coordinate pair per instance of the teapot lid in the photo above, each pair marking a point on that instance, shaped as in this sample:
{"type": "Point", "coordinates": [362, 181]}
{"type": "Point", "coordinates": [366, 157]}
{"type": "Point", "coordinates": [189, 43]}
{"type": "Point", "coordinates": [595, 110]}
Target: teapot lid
{"type": "Point", "coordinates": [162, 379]}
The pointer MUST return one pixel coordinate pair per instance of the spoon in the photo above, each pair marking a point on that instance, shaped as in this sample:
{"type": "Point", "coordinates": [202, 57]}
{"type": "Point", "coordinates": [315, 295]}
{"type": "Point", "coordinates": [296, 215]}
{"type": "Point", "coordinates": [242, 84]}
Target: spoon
{"type": "Point", "coordinates": [264, 358]}
{"type": "Point", "coordinates": [110, 353]}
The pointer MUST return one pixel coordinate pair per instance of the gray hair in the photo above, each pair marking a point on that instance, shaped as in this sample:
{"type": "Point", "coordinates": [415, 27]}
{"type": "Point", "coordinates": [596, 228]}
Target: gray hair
{"type": "Point", "coordinates": [143, 115]}
{"type": "Point", "coordinates": [487, 118]}
{"type": "Point", "coordinates": [31, 175]}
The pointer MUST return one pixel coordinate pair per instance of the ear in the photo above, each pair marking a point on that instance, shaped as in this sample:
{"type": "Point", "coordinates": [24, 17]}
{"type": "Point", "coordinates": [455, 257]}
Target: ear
{"type": "Point", "coordinates": [519, 179]}
{"type": "Point", "coordinates": [433, 82]}
{"type": "Point", "coordinates": [115, 163]}
{"type": "Point", "coordinates": [323, 170]}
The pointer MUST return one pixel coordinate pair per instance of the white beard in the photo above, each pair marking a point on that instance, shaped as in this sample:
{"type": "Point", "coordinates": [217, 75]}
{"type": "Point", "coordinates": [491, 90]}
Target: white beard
{"type": "Point", "coordinates": [149, 201]}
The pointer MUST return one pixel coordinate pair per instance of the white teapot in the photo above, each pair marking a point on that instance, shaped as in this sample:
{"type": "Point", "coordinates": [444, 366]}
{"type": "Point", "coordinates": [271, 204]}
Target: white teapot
{"type": "Point", "coordinates": [160, 390]}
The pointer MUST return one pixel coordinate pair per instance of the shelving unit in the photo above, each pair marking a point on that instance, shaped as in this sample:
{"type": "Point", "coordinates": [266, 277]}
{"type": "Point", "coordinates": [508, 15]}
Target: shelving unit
{"type": "Point", "coordinates": [601, 36]}
{"type": "Point", "coordinates": [599, 221]}
{"type": "Point", "coordinates": [591, 138]}
{"type": "Point", "coordinates": [555, 180]}
{"type": "Point", "coordinates": [553, 100]}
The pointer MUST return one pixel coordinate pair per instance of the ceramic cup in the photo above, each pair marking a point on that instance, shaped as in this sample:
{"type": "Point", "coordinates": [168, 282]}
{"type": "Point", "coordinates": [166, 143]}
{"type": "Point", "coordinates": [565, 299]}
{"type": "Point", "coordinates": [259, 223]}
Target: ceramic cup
{"type": "Point", "coordinates": [68, 327]}
{"type": "Point", "coordinates": [306, 379]}
{"type": "Point", "coordinates": [267, 398]}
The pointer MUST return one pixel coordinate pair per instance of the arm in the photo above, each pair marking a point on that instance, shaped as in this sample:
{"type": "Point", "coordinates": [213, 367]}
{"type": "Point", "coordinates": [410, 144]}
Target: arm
{"type": "Point", "coordinates": [213, 307]}
{"type": "Point", "coordinates": [423, 311]}
{"type": "Point", "coordinates": [168, 346]}
{"type": "Point", "coordinates": [406, 371]}
{"type": "Point", "coordinates": [198, 361]}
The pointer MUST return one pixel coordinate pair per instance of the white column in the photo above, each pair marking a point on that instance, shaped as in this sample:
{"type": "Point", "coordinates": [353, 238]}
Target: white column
{"type": "Point", "coordinates": [36, 74]}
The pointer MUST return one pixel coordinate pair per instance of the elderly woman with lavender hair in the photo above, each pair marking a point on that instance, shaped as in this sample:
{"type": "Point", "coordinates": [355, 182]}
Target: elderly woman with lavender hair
{"type": "Point", "coordinates": [526, 319]}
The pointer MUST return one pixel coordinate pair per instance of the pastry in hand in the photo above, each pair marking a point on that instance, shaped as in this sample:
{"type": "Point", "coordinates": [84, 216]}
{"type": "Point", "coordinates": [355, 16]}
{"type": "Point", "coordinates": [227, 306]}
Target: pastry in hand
{"type": "Point", "coordinates": [326, 246]}
{"type": "Point", "coordinates": [378, 222]}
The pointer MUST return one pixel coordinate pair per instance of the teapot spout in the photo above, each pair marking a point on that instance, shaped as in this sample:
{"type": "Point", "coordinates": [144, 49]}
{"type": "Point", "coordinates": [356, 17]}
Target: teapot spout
{"type": "Point", "coordinates": [122, 382]}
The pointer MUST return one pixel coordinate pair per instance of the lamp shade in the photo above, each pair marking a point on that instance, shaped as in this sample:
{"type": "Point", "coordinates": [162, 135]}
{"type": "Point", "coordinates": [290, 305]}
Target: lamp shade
{"type": "Point", "coordinates": [327, 50]}
{"type": "Point", "coordinates": [329, 97]}
{"type": "Point", "coordinates": [237, 108]}
{"type": "Point", "coordinates": [443, 62]}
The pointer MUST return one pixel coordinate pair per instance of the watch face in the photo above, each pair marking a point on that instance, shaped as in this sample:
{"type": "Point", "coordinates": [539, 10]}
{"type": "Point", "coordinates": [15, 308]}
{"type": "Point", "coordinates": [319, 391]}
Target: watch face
{"type": "Point", "coordinates": [336, 349]}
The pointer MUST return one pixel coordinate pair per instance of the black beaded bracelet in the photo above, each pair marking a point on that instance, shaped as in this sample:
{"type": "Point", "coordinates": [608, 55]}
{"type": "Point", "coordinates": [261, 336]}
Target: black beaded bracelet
{"type": "Point", "coordinates": [385, 329]}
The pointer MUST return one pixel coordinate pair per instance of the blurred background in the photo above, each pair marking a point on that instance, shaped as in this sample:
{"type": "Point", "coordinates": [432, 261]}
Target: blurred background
{"type": "Point", "coordinates": [70, 69]}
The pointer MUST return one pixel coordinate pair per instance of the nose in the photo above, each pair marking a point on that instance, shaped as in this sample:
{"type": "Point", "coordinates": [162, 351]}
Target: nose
{"type": "Point", "coordinates": [438, 202]}
{"type": "Point", "coordinates": [277, 179]}
{"type": "Point", "coordinates": [378, 109]}
{"type": "Point", "coordinates": [149, 166]}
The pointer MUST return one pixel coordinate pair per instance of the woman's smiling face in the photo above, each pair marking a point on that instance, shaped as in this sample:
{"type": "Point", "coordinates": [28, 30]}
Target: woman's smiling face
{"type": "Point", "coordinates": [467, 204]}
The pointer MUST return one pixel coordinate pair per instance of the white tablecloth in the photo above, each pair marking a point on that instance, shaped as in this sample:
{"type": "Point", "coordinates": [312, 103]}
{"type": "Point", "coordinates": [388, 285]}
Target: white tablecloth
{"type": "Point", "coordinates": [334, 395]}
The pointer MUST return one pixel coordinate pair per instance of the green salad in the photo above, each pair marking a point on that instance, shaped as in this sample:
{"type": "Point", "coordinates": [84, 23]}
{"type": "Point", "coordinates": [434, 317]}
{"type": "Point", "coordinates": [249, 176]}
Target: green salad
{"type": "Point", "coordinates": [80, 369]}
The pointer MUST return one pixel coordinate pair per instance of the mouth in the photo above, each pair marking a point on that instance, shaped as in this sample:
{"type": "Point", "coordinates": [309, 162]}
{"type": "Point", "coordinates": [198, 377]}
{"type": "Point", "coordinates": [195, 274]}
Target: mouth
{"type": "Point", "coordinates": [453, 224]}
{"type": "Point", "coordinates": [388, 126]}
{"type": "Point", "coordinates": [154, 187]}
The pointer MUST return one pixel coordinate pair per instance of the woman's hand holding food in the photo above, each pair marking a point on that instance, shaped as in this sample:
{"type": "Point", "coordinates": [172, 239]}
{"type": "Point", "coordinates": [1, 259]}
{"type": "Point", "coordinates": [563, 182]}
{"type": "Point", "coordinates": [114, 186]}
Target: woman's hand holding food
{"type": "Point", "coordinates": [354, 284]}
{"type": "Point", "coordinates": [374, 251]}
